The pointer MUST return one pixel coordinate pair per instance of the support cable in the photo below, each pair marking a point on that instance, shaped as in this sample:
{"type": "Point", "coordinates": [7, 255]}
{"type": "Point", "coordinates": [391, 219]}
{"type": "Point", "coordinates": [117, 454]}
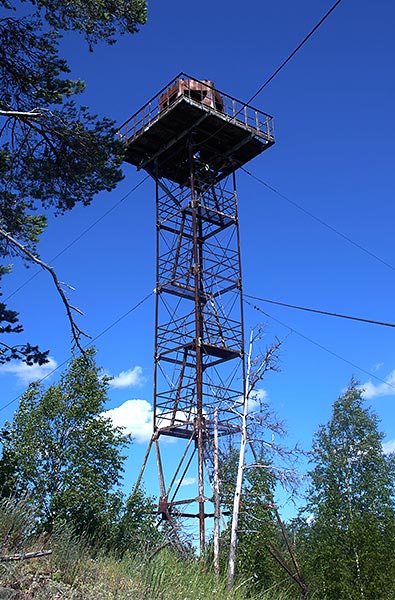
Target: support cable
{"type": "Point", "coordinates": [99, 335]}
{"type": "Point", "coordinates": [313, 216]}
{"type": "Point", "coordinates": [290, 56]}
{"type": "Point", "coordinates": [283, 64]}
{"type": "Point", "coordinates": [305, 337]}
{"type": "Point", "coordinates": [81, 235]}
{"type": "Point", "coordinates": [321, 312]}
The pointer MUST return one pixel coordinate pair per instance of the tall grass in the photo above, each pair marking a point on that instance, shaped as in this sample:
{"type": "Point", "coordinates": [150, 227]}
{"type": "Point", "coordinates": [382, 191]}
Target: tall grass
{"type": "Point", "coordinates": [168, 577]}
{"type": "Point", "coordinates": [75, 570]}
{"type": "Point", "coordinates": [16, 525]}
{"type": "Point", "coordinates": [70, 553]}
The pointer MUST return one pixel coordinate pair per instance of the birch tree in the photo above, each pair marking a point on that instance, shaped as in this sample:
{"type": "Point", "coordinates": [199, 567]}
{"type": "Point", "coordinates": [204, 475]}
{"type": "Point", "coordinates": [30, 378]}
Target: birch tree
{"type": "Point", "coordinates": [257, 530]}
{"type": "Point", "coordinates": [351, 540]}
{"type": "Point", "coordinates": [63, 454]}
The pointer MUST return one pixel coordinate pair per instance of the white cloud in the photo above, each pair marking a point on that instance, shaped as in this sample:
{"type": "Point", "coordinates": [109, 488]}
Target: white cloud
{"type": "Point", "coordinates": [187, 481]}
{"type": "Point", "coordinates": [130, 378]}
{"type": "Point", "coordinates": [389, 447]}
{"type": "Point", "coordinates": [136, 419]}
{"type": "Point", "coordinates": [376, 390]}
{"type": "Point", "coordinates": [255, 400]}
{"type": "Point", "coordinates": [135, 416]}
{"type": "Point", "coordinates": [25, 374]}
{"type": "Point", "coordinates": [177, 418]}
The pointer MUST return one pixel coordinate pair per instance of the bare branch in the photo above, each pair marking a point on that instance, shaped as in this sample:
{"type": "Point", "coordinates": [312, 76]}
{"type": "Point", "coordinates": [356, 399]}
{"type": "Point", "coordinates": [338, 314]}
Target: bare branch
{"type": "Point", "coordinates": [76, 331]}
{"type": "Point", "coordinates": [70, 287]}
{"type": "Point", "coordinates": [77, 310]}
{"type": "Point", "coordinates": [36, 113]}
{"type": "Point", "coordinates": [28, 118]}
{"type": "Point", "coordinates": [266, 363]}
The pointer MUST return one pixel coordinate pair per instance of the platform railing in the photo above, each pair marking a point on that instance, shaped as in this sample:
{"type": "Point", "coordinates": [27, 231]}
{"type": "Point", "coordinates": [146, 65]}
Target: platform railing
{"type": "Point", "coordinates": [184, 87]}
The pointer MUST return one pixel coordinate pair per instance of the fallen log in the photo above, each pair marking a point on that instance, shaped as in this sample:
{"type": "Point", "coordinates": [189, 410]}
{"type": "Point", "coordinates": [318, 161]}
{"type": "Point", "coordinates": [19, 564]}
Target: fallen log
{"type": "Point", "coordinates": [25, 556]}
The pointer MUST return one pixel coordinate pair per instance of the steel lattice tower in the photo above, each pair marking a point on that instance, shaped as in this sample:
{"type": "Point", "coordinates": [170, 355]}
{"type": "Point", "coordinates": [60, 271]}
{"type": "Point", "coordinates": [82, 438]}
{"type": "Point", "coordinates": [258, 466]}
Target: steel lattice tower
{"type": "Point", "coordinates": [191, 139]}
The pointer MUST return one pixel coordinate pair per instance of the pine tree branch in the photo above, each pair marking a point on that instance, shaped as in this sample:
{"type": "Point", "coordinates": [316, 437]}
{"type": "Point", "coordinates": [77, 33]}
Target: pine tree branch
{"type": "Point", "coordinates": [75, 329]}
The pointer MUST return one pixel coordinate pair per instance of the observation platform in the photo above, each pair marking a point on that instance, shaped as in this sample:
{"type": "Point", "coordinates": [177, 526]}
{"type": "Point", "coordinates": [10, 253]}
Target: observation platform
{"type": "Point", "coordinates": [225, 133]}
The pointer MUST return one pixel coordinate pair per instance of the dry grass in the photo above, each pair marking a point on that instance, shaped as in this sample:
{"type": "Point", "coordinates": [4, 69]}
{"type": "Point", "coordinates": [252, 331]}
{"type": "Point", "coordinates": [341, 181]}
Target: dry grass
{"type": "Point", "coordinates": [70, 572]}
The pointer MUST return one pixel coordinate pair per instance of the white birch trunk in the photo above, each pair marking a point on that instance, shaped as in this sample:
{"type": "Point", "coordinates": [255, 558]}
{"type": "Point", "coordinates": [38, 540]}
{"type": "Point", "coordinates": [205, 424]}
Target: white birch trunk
{"type": "Point", "coordinates": [239, 481]}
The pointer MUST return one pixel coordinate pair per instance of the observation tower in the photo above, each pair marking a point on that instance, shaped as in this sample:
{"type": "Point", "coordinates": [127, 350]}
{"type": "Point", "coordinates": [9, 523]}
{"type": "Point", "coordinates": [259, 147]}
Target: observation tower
{"type": "Point", "coordinates": [191, 139]}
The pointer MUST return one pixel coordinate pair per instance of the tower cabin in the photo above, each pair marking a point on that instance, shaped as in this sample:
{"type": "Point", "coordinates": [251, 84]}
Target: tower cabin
{"type": "Point", "coordinates": [226, 132]}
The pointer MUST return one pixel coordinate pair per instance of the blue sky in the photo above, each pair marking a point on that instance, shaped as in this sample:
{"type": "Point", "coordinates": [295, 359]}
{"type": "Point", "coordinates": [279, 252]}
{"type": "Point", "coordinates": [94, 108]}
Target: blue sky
{"type": "Point", "coordinates": [333, 157]}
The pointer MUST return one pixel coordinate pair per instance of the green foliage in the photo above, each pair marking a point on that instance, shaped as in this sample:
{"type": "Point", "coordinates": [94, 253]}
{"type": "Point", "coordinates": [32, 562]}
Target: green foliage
{"type": "Point", "coordinates": [136, 529]}
{"type": "Point", "coordinates": [54, 154]}
{"type": "Point", "coordinates": [97, 19]}
{"type": "Point", "coordinates": [350, 542]}
{"type": "Point", "coordinates": [64, 454]}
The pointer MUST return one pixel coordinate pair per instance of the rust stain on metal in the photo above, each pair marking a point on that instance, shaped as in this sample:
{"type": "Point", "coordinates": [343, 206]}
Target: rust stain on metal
{"type": "Point", "coordinates": [202, 91]}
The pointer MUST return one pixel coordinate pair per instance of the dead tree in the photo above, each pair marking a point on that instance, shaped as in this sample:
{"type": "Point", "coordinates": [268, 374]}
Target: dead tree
{"type": "Point", "coordinates": [256, 369]}
{"type": "Point", "coordinates": [266, 363]}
